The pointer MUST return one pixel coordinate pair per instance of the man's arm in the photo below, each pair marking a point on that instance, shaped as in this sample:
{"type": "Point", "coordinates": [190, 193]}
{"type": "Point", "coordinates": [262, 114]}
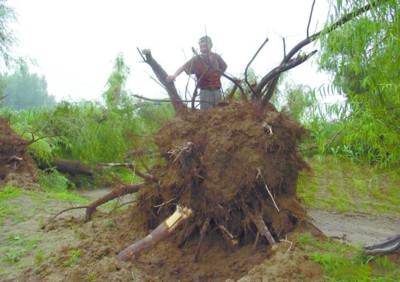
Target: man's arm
{"type": "Point", "coordinates": [222, 65]}
{"type": "Point", "coordinates": [171, 78]}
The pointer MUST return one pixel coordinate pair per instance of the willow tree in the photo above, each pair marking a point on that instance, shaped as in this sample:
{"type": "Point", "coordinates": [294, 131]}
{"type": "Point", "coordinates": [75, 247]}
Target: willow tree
{"type": "Point", "coordinates": [363, 57]}
{"type": "Point", "coordinates": [7, 39]}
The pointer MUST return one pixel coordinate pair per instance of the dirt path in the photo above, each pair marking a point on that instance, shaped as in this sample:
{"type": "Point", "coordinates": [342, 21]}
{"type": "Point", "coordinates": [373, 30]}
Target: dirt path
{"type": "Point", "coordinates": [356, 229]}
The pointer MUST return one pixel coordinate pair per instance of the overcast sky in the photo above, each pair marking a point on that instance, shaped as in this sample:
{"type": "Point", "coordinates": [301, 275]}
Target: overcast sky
{"type": "Point", "coordinates": [75, 42]}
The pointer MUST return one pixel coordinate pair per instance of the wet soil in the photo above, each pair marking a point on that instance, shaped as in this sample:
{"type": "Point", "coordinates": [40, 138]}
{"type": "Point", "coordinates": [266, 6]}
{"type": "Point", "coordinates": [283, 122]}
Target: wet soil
{"type": "Point", "coordinates": [99, 240]}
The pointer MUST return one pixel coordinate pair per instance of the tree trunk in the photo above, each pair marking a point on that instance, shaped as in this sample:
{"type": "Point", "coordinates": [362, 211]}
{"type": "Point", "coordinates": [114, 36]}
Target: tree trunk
{"type": "Point", "coordinates": [72, 167]}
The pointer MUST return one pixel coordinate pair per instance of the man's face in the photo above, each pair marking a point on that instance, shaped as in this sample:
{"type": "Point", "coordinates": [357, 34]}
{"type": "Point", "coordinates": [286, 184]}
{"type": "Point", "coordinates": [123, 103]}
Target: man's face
{"type": "Point", "coordinates": [204, 48]}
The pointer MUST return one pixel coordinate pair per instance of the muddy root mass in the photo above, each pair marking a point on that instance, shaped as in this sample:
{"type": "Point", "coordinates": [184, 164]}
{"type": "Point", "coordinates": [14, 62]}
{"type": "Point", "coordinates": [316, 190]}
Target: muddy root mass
{"type": "Point", "coordinates": [236, 167]}
{"type": "Point", "coordinates": [16, 165]}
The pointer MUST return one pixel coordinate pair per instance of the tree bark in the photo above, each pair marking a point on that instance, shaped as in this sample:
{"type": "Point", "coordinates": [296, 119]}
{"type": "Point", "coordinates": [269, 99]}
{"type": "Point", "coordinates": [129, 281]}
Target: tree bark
{"type": "Point", "coordinates": [161, 232]}
{"type": "Point", "coordinates": [390, 245]}
{"type": "Point", "coordinates": [115, 193]}
{"type": "Point", "coordinates": [72, 167]}
{"type": "Point", "coordinates": [161, 76]}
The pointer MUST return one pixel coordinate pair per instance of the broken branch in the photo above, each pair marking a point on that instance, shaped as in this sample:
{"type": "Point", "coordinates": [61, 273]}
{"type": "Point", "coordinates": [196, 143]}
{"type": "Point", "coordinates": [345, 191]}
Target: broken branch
{"type": "Point", "coordinates": [162, 231]}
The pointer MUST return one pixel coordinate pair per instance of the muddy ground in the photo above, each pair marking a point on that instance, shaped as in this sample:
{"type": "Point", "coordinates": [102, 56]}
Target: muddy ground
{"type": "Point", "coordinates": [71, 250]}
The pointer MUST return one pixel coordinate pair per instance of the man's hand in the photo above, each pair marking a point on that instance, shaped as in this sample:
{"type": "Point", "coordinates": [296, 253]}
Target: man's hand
{"type": "Point", "coordinates": [170, 78]}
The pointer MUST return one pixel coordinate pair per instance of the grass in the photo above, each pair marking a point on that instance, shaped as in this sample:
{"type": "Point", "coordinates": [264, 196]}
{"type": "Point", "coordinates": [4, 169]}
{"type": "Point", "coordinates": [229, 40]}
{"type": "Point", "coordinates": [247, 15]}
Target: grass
{"type": "Point", "coordinates": [339, 185]}
{"type": "Point", "coordinates": [18, 246]}
{"type": "Point", "coordinates": [20, 222]}
{"type": "Point", "coordinates": [346, 263]}
{"type": "Point", "coordinates": [22, 215]}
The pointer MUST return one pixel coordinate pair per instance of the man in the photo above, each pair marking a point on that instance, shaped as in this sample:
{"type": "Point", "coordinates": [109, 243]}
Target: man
{"type": "Point", "coordinates": [208, 68]}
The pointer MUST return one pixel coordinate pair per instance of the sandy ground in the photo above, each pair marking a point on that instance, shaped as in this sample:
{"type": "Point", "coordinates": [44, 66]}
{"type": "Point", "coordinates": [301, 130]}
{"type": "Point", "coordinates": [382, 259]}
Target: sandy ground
{"type": "Point", "coordinates": [356, 229]}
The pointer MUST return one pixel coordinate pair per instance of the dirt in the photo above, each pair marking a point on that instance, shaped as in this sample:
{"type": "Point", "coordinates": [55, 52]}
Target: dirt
{"type": "Point", "coordinates": [101, 239]}
{"type": "Point", "coordinates": [356, 229]}
{"type": "Point", "coordinates": [235, 167]}
{"type": "Point", "coordinates": [16, 164]}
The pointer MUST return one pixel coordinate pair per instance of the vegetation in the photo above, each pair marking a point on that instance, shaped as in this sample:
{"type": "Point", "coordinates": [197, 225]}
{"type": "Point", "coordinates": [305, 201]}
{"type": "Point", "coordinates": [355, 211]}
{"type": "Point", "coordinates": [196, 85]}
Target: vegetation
{"type": "Point", "coordinates": [346, 263]}
{"type": "Point", "coordinates": [23, 90]}
{"type": "Point", "coordinates": [7, 39]}
{"type": "Point", "coordinates": [363, 58]}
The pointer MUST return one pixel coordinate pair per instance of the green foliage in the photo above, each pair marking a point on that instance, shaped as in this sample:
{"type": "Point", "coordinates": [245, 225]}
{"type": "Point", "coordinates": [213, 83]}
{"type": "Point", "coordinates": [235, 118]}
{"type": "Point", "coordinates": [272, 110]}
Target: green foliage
{"type": "Point", "coordinates": [7, 39]}
{"type": "Point", "coordinates": [91, 132]}
{"type": "Point", "coordinates": [363, 57]}
{"type": "Point", "coordinates": [116, 96]}
{"type": "Point", "coordinates": [73, 259]}
{"type": "Point", "coordinates": [52, 180]}
{"type": "Point", "coordinates": [9, 191]}
{"type": "Point", "coordinates": [25, 90]}
{"type": "Point", "coordinates": [298, 101]}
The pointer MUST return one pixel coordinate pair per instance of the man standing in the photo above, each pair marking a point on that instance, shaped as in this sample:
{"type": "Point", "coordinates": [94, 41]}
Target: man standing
{"type": "Point", "coordinates": [208, 68]}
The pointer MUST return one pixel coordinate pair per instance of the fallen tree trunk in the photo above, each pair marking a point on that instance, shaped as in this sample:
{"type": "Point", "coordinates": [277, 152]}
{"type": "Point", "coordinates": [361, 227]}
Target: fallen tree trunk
{"type": "Point", "coordinates": [71, 167]}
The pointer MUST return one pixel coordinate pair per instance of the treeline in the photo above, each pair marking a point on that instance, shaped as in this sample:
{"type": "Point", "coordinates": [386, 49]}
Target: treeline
{"type": "Point", "coordinates": [24, 90]}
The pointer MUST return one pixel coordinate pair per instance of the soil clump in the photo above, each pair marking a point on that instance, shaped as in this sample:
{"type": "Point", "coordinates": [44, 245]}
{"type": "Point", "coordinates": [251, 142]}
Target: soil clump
{"type": "Point", "coordinates": [16, 165]}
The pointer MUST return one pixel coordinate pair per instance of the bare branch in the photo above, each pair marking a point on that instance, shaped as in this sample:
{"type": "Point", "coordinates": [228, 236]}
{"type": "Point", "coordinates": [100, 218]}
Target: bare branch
{"type": "Point", "coordinates": [270, 80]}
{"type": "Point", "coordinates": [309, 19]}
{"type": "Point", "coordinates": [132, 166]}
{"type": "Point", "coordinates": [274, 73]}
{"type": "Point", "coordinates": [254, 95]}
{"type": "Point", "coordinates": [161, 76]}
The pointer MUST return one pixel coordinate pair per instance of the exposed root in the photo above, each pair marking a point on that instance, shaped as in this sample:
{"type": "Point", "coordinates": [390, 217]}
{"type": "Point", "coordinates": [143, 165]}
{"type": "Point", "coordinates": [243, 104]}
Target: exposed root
{"type": "Point", "coordinates": [261, 226]}
{"type": "Point", "coordinates": [90, 209]}
{"type": "Point", "coordinates": [188, 231]}
{"type": "Point", "coordinates": [266, 187]}
{"type": "Point", "coordinates": [255, 245]}
{"type": "Point", "coordinates": [289, 242]}
{"type": "Point", "coordinates": [115, 193]}
{"type": "Point", "coordinates": [203, 232]}
{"type": "Point", "coordinates": [61, 212]}
{"type": "Point", "coordinates": [390, 245]}
{"type": "Point", "coordinates": [230, 239]}
{"type": "Point", "coordinates": [161, 232]}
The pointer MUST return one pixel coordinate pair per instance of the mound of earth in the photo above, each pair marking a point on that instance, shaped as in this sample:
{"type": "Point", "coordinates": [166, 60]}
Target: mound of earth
{"type": "Point", "coordinates": [89, 254]}
{"type": "Point", "coordinates": [16, 165]}
{"type": "Point", "coordinates": [235, 168]}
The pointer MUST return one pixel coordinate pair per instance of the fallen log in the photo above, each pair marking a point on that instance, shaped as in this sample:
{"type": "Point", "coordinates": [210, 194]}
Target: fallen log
{"type": "Point", "coordinates": [71, 167]}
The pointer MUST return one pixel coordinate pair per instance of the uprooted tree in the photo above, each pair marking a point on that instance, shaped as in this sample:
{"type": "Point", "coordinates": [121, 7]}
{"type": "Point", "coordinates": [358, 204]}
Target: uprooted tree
{"type": "Point", "coordinates": [230, 171]}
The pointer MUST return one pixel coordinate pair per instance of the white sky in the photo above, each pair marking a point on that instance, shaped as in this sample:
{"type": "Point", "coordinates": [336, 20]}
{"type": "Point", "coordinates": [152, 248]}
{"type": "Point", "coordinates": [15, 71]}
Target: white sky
{"type": "Point", "coordinates": [75, 42]}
